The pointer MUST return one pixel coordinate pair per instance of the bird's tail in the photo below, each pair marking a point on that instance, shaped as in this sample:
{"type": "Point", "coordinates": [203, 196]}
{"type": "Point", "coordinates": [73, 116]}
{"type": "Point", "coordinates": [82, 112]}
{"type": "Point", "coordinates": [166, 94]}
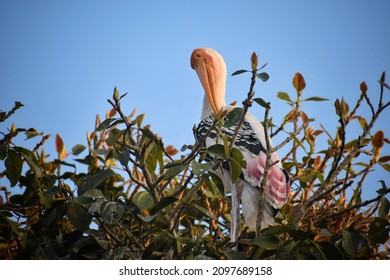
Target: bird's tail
{"type": "Point", "coordinates": [250, 208]}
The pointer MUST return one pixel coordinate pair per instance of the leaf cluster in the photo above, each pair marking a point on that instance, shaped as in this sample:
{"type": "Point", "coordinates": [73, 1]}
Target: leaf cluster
{"type": "Point", "coordinates": [141, 199]}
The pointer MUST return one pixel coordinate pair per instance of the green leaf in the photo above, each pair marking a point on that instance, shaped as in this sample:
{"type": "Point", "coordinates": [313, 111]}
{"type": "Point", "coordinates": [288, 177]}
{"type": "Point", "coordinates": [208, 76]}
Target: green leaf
{"type": "Point", "coordinates": [185, 147]}
{"type": "Point", "coordinates": [205, 211]}
{"type": "Point", "coordinates": [218, 182]}
{"type": "Point", "coordinates": [78, 216]}
{"type": "Point", "coordinates": [237, 155]}
{"type": "Point", "coordinates": [330, 250]}
{"type": "Point", "coordinates": [201, 168]}
{"type": "Point", "coordinates": [234, 255]}
{"type": "Point", "coordinates": [31, 160]}
{"type": "Point", "coordinates": [143, 200]}
{"type": "Point", "coordinates": [362, 122]}
{"type": "Point", "coordinates": [384, 208]}
{"type": "Point", "coordinates": [213, 190]}
{"type": "Point", "coordinates": [84, 201]}
{"type": "Point", "coordinates": [352, 242]}
{"type": "Point", "coordinates": [233, 117]}
{"type": "Point", "coordinates": [89, 182]}
{"type": "Point", "coordinates": [235, 170]}
{"type": "Point", "coordinates": [32, 132]}
{"type": "Point", "coordinates": [378, 232]}
{"type": "Point", "coordinates": [287, 250]}
{"type": "Point", "coordinates": [114, 135]}
{"type": "Point", "coordinates": [217, 150]}
{"type": "Point", "coordinates": [146, 218]}
{"type": "Point", "coordinates": [78, 149]}
{"type": "Point", "coordinates": [316, 98]}
{"type": "Point", "coordinates": [111, 212]}
{"type": "Point", "coordinates": [307, 177]}
{"type": "Point", "coordinates": [266, 241]}
{"type": "Point", "coordinates": [173, 171]}
{"type": "Point", "coordinates": [261, 102]}
{"type": "Point", "coordinates": [155, 155]}
{"type": "Point", "coordinates": [164, 202]}
{"type": "Point", "coordinates": [94, 193]}
{"type": "Point", "coordinates": [124, 157]}
{"type": "Point", "coordinates": [385, 166]}
{"type": "Point", "coordinates": [284, 96]}
{"type": "Point", "coordinates": [14, 165]}
{"type": "Point", "coordinates": [3, 150]}
{"type": "Point", "coordinates": [105, 124]}
{"type": "Point", "coordinates": [18, 105]}
{"type": "Point", "coordinates": [263, 76]}
{"type": "Point", "coordinates": [238, 72]}
{"type": "Point", "coordinates": [351, 144]}
{"type": "Point", "coordinates": [115, 95]}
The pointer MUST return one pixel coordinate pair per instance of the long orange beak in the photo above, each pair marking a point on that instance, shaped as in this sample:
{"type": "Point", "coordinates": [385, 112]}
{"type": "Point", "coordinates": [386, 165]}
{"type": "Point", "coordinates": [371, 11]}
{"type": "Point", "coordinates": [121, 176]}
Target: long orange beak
{"type": "Point", "coordinates": [203, 64]}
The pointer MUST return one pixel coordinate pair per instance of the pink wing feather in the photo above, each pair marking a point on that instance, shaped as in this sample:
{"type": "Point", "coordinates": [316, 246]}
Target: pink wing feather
{"type": "Point", "coordinates": [277, 189]}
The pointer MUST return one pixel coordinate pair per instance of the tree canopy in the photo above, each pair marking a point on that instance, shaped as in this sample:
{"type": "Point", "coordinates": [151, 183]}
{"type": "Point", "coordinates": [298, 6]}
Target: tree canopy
{"type": "Point", "coordinates": [142, 199]}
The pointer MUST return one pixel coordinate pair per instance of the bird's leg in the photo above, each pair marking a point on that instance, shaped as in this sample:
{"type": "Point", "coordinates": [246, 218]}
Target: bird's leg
{"type": "Point", "coordinates": [235, 226]}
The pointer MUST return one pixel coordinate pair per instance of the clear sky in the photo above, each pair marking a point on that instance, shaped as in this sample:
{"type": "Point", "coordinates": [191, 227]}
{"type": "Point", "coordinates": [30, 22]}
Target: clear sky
{"type": "Point", "coordinates": [62, 59]}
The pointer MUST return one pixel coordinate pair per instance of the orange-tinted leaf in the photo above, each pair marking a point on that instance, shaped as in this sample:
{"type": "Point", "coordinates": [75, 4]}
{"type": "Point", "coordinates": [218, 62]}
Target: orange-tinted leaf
{"type": "Point", "coordinates": [309, 131]}
{"type": "Point", "coordinates": [299, 82]}
{"type": "Point", "coordinates": [254, 60]}
{"type": "Point", "coordinates": [317, 162]}
{"type": "Point", "coordinates": [363, 87]}
{"type": "Point", "coordinates": [111, 113]}
{"type": "Point", "coordinates": [133, 113]}
{"type": "Point", "coordinates": [317, 132]}
{"type": "Point", "coordinates": [63, 154]}
{"type": "Point", "coordinates": [378, 139]}
{"type": "Point", "coordinates": [98, 121]}
{"type": "Point", "coordinates": [291, 116]}
{"type": "Point", "coordinates": [304, 117]}
{"type": "Point", "coordinates": [384, 159]}
{"type": "Point", "coordinates": [171, 150]}
{"type": "Point", "coordinates": [59, 144]}
{"type": "Point", "coordinates": [337, 106]}
{"type": "Point", "coordinates": [383, 77]}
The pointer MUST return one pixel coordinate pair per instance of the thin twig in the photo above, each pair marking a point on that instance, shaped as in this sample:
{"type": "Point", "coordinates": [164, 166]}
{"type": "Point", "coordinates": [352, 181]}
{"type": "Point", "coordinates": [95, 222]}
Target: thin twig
{"type": "Point", "coordinates": [246, 103]}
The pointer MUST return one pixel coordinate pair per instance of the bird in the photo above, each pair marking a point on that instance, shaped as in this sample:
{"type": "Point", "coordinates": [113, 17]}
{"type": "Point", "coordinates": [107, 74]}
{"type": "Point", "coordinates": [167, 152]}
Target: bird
{"type": "Point", "coordinates": [211, 70]}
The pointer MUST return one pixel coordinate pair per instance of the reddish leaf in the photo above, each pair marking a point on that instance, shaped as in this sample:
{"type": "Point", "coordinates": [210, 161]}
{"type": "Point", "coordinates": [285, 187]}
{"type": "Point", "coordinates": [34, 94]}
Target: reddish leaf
{"type": "Point", "coordinates": [299, 82]}
{"type": "Point", "coordinates": [317, 162]}
{"type": "Point", "coordinates": [377, 140]}
{"type": "Point", "coordinates": [304, 117]}
{"type": "Point", "coordinates": [363, 87]}
{"type": "Point", "coordinates": [171, 150]}
{"type": "Point", "coordinates": [111, 113]}
{"type": "Point", "coordinates": [59, 144]}
{"type": "Point", "coordinates": [384, 159]}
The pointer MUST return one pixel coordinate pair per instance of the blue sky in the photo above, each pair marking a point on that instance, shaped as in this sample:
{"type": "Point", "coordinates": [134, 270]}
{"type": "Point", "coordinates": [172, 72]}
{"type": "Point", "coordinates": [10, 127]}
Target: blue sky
{"type": "Point", "coordinates": [62, 59]}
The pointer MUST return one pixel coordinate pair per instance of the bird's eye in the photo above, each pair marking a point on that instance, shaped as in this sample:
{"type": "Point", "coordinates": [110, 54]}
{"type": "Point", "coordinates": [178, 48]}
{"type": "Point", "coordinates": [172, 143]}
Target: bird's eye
{"type": "Point", "coordinates": [198, 55]}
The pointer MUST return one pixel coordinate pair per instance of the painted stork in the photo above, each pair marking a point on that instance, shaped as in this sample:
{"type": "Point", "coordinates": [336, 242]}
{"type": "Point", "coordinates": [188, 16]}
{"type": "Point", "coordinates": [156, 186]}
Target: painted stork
{"type": "Point", "coordinates": [211, 70]}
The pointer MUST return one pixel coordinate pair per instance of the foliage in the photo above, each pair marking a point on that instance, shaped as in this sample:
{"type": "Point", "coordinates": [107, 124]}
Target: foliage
{"type": "Point", "coordinates": [141, 199]}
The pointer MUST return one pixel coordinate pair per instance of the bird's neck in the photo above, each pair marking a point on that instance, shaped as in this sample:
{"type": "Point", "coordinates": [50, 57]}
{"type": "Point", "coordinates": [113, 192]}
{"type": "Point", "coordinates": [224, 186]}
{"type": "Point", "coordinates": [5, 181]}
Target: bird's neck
{"type": "Point", "coordinates": [207, 109]}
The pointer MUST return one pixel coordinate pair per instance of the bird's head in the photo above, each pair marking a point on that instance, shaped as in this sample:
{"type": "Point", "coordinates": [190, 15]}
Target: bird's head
{"type": "Point", "coordinates": [211, 70]}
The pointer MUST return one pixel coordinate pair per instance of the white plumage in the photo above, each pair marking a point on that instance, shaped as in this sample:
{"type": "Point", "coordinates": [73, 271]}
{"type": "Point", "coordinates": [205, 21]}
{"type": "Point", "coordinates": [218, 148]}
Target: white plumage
{"type": "Point", "coordinates": [211, 70]}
